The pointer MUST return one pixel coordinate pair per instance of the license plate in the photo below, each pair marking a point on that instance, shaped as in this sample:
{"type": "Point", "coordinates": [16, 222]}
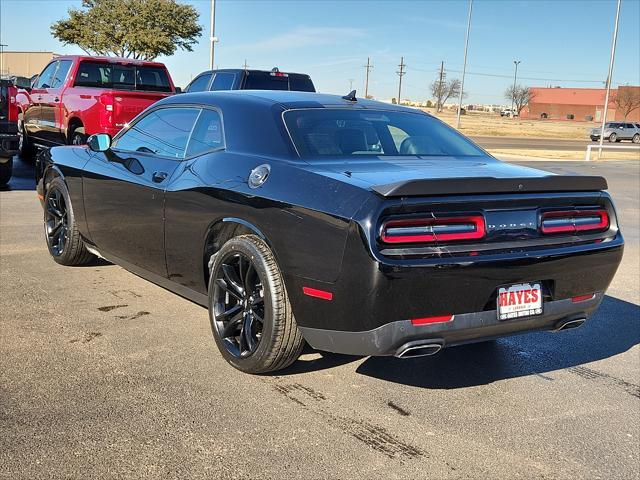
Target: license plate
{"type": "Point", "coordinates": [516, 301]}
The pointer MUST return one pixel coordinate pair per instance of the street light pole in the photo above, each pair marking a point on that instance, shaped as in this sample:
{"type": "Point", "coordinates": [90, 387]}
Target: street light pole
{"type": "Point", "coordinates": [513, 91]}
{"type": "Point", "coordinates": [611, 60]}
{"type": "Point", "coordinates": [212, 37]}
{"type": "Point", "coordinates": [464, 64]}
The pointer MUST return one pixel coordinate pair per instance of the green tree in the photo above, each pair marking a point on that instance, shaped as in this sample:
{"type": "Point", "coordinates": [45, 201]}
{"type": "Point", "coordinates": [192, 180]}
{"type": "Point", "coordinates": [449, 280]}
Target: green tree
{"type": "Point", "coordinates": [141, 29]}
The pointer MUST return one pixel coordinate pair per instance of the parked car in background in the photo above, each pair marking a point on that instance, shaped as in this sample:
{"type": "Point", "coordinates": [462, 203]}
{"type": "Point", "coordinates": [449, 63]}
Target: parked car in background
{"type": "Point", "coordinates": [357, 226]}
{"type": "Point", "coordinates": [241, 79]}
{"type": "Point", "coordinates": [508, 112]}
{"type": "Point", "coordinates": [8, 129]}
{"type": "Point", "coordinates": [76, 96]}
{"type": "Point", "coordinates": [617, 131]}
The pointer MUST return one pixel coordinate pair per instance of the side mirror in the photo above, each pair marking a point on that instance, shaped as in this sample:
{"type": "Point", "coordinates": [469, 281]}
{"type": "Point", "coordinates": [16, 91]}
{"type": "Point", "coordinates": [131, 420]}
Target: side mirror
{"type": "Point", "coordinates": [178, 90]}
{"type": "Point", "coordinates": [100, 142]}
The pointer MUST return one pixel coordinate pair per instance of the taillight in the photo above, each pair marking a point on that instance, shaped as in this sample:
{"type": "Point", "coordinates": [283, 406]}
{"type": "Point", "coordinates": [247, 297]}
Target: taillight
{"type": "Point", "coordinates": [106, 112]}
{"type": "Point", "coordinates": [428, 230]}
{"type": "Point", "coordinates": [13, 104]}
{"type": "Point", "coordinates": [572, 221]}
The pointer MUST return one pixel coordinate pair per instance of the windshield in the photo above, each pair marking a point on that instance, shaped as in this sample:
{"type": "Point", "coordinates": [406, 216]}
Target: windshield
{"type": "Point", "coordinates": [122, 77]}
{"type": "Point", "coordinates": [323, 132]}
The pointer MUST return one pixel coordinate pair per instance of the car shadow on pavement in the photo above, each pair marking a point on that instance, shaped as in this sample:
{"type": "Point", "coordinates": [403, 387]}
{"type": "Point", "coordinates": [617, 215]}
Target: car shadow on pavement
{"type": "Point", "coordinates": [613, 330]}
{"type": "Point", "coordinates": [23, 176]}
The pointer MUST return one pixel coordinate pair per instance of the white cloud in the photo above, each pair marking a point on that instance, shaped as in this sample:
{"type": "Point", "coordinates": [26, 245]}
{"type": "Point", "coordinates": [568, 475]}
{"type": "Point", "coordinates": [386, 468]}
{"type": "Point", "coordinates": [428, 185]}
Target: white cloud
{"type": "Point", "coordinates": [303, 36]}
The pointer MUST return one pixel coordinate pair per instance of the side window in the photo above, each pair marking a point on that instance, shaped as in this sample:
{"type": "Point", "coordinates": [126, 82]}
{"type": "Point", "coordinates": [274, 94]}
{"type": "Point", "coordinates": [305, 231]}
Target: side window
{"type": "Point", "coordinates": [162, 132]}
{"type": "Point", "coordinates": [207, 134]}
{"type": "Point", "coordinates": [61, 74]}
{"type": "Point", "coordinates": [46, 77]}
{"type": "Point", "coordinates": [223, 81]}
{"type": "Point", "coordinates": [199, 84]}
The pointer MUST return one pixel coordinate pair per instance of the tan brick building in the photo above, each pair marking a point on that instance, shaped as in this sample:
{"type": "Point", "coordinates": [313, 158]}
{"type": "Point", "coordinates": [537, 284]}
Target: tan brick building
{"type": "Point", "coordinates": [24, 64]}
{"type": "Point", "coordinates": [576, 104]}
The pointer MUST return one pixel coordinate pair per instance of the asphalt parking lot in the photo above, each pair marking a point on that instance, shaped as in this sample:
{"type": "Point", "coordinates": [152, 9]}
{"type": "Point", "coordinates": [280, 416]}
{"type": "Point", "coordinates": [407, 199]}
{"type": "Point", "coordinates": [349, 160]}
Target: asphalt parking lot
{"type": "Point", "coordinates": [104, 375]}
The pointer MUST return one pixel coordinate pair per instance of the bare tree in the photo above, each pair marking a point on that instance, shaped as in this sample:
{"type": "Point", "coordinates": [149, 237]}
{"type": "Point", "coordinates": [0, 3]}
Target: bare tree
{"type": "Point", "coordinates": [520, 95]}
{"type": "Point", "coordinates": [627, 100]}
{"type": "Point", "coordinates": [442, 90]}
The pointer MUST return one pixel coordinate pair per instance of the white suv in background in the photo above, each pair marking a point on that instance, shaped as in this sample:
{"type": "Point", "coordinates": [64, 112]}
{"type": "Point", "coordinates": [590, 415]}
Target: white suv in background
{"type": "Point", "coordinates": [618, 131]}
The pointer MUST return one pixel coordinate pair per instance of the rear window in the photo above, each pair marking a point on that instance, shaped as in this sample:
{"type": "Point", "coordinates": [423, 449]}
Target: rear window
{"type": "Point", "coordinates": [271, 81]}
{"type": "Point", "coordinates": [326, 132]}
{"type": "Point", "coordinates": [122, 77]}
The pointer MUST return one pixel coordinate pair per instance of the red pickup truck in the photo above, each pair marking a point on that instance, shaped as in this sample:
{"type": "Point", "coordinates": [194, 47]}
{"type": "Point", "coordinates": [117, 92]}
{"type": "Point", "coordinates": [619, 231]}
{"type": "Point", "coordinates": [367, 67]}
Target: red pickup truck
{"type": "Point", "coordinates": [77, 96]}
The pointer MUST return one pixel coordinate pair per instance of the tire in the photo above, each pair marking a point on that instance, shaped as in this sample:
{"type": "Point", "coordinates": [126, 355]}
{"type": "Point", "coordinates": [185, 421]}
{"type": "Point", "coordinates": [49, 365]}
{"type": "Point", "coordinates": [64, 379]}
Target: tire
{"type": "Point", "coordinates": [6, 169]}
{"type": "Point", "coordinates": [26, 150]}
{"type": "Point", "coordinates": [235, 307]}
{"type": "Point", "coordinates": [613, 138]}
{"type": "Point", "coordinates": [60, 230]}
{"type": "Point", "coordinates": [78, 137]}
{"type": "Point", "coordinates": [636, 138]}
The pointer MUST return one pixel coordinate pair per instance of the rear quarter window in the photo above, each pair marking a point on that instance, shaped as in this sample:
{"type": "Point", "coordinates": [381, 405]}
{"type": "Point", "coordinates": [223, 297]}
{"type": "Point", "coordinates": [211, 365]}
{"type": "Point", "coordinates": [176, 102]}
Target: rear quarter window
{"type": "Point", "coordinates": [122, 76]}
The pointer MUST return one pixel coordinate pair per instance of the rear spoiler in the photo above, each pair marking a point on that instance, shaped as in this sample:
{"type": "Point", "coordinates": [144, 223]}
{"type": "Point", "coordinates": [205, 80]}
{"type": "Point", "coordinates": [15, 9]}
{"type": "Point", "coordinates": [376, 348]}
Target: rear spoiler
{"type": "Point", "coordinates": [478, 185]}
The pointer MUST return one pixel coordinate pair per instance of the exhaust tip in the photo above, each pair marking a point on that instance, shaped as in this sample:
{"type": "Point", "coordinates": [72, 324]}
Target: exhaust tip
{"type": "Point", "coordinates": [568, 325]}
{"type": "Point", "coordinates": [418, 349]}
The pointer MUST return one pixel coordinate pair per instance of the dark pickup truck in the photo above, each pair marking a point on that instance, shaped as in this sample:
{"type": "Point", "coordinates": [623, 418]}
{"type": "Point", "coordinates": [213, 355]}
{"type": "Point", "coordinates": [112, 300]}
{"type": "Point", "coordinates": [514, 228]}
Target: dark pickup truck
{"type": "Point", "coordinates": [243, 79]}
{"type": "Point", "coordinates": [8, 129]}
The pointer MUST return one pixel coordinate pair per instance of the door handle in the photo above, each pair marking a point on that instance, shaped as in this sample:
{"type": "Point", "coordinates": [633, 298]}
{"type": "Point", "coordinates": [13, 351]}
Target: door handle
{"type": "Point", "coordinates": [56, 99]}
{"type": "Point", "coordinates": [159, 176]}
{"type": "Point", "coordinates": [39, 97]}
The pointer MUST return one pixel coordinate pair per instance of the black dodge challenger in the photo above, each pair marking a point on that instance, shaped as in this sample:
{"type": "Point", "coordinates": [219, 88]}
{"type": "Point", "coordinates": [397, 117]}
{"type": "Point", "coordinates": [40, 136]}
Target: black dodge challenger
{"type": "Point", "coordinates": [356, 226]}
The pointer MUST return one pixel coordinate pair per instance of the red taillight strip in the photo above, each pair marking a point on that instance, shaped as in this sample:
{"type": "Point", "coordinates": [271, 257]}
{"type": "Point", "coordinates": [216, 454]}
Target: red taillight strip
{"type": "Point", "coordinates": [572, 222]}
{"type": "Point", "coordinates": [428, 320]}
{"type": "Point", "coordinates": [583, 298]}
{"type": "Point", "coordinates": [314, 292]}
{"type": "Point", "coordinates": [436, 229]}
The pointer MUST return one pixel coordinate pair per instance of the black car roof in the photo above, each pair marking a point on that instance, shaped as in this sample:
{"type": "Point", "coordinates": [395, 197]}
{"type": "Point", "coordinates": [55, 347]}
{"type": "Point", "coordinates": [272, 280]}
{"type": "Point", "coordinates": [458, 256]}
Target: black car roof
{"type": "Point", "coordinates": [285, 98]}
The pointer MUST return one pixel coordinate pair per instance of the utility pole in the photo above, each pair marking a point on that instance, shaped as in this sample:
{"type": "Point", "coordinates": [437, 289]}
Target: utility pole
{"type": "Point", "coordinates": [368, 68]}
{"type": "Point", "coordinates": [464, 65]}
{"type": "Point", "coordinates": [513, 91]}
{"type": "Point", "coordinates": [2, 45]}
{"type": "Point", "coordinates": [440, 87]}
{"type": "Point", "coordinates": [245, 66]}
{"type": "Point", "coordinates": [351, 84]}
{"type": "Point", "coordinates": [400, 73]}
{"type": "Point", "coordinates": [212, 38]}
{"type": "Point", "coordinates": [609, 77]}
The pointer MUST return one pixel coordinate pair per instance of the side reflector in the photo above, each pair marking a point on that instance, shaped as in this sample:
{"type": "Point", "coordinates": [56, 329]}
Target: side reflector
{"type": "Point", "coordinates": [574, 221]}
{"type": "Point", "coordinates": [427, 320]}
{"type": "Point", "coordinates": [444, 229]}
{"type": "Point", "coordinates": [582, 298]}
{"type": "Point", "coordinates": [313, 292]}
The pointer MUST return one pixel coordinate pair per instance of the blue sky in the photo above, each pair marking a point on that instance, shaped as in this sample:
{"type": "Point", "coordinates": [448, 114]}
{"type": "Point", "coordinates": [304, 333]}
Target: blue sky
{"type": "Point", "coordinates": [561, 42]}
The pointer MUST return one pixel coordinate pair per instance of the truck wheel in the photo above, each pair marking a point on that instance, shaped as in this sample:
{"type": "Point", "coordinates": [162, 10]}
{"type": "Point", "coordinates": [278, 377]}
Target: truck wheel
{"type": "Point", "coordinates": [251, 318]}
{"type": "Point", "coordinates": [78, 137]}
{"type": "Point", "coordinates": [26, 150]}
{"type": "Point", "coordinates": [60, 229]}
{"type": "Point", "coordinates": [6, 169]}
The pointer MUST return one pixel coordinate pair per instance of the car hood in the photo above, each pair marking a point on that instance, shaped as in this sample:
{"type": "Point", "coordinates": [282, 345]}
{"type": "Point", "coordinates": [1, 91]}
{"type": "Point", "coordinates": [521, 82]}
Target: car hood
{"type": "Point", "coordinates": [401, 176]}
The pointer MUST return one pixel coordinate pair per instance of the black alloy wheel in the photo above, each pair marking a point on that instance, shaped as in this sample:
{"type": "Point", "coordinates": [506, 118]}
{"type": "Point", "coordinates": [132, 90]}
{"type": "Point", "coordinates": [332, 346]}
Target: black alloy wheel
{"type": "Point", "coordinates": [251, 318]}
{"type": "Point", "coordinates": [238, 305]}
{"type": "Point", "coordinates": [56, 222]}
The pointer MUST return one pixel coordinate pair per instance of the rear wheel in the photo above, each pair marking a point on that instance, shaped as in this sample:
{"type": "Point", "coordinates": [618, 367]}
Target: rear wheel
{"type": "Point", "coordinates": [6, 169]}
{"type": "Point", "coordinates": [636, 138]}
{"type": "Point", "coordinates": [78, 137]}
{"type": "Point", "coordinates": [613, 138]}
{"type": "Point", "coordinates": [60, 229]}
{"type": "Point", "coordinates": [251, 318]}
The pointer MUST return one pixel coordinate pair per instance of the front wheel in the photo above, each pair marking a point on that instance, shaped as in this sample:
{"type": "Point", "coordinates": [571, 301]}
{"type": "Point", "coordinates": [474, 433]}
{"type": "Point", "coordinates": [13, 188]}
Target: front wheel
{"type": "Point", "coordinates": [26, 150]}
{"type": "Point", "coordinates": [61, 232]}
{"type": "Point", "coordinates": [251, 318]}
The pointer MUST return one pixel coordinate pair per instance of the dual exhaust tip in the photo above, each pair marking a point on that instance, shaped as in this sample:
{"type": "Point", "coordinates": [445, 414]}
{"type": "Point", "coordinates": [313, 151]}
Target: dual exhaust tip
{"type": "Point", "coordinates": [424, 348]}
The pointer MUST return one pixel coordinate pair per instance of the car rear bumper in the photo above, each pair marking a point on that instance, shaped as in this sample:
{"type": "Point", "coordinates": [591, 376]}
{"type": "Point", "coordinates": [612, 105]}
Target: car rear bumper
{"type": "Point", "coordinates": [8, 144]}
{"type": "Point", "coordinates": [401, 337]}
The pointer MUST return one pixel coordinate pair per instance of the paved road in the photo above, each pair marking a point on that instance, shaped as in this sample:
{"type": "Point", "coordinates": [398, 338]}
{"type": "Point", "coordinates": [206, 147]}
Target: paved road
{"type": "Point", "coordinates": [104, 375]}
{"type": "Point", "coordinates": [531, 143]}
